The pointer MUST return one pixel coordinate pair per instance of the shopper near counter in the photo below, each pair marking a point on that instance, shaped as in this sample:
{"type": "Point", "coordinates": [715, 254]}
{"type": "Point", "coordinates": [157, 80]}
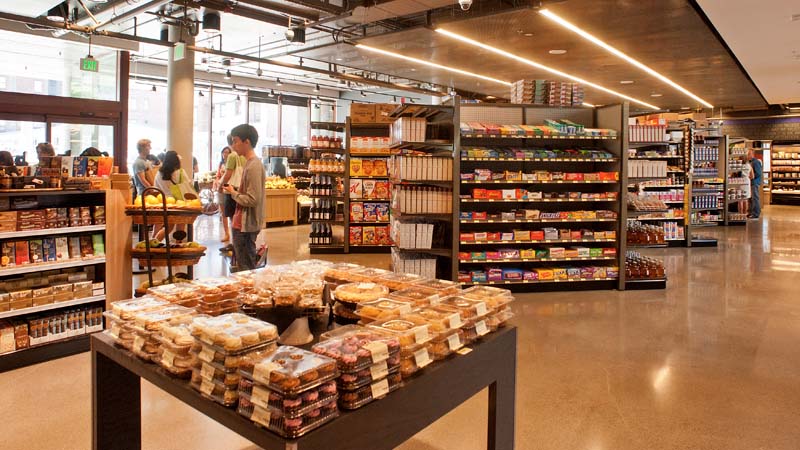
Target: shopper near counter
{"type": "Point", "coordinates": [746, 172]}
{"type": "Point", "coordinates": [248, 219]}
{"type": "Point", "coordinates": [7, 163]}
{"type": "Point", "coordinates": [234, 165]}
{"type": "Point", "coordinates": [142, 166]}
{"type": "Point", "coordinates": [92, 151]}
{"type": "Point", "coordinates": [755, 185]}
{"type": "Point", "coordinates": [226, 152]}
{"type": "Point", "coordinates": [43, 150]}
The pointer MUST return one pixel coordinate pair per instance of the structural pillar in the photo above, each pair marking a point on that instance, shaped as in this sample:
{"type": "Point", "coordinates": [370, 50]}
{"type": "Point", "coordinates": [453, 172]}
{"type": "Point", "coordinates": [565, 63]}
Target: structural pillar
{"type": "Point", "coordinates": [180, 99]}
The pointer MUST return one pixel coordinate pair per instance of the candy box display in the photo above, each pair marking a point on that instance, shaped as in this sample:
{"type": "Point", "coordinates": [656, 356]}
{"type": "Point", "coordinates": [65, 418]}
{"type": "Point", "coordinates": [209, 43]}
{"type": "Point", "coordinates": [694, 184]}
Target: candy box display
{"type": "Point", "coordinates": [292, 370]}
{"type": "Point", "coordinates": [233, 332]}
{"type": "Point", "coordinates": [356, 347]}
{"type": "Point", "coordinates": [370, 392]}
{"type": "Point", "coordinates": [290, 405]}
{"type": "Point", "coordinates": [355, 293]}
{"type": "Point", "coordinates": [283, 425]}
{"type": "Point", "coordinates": [381, 309]}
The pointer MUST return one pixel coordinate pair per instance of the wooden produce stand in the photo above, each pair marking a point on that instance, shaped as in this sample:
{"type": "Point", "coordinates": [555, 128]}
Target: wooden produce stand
{"type": "Point", "coordinates": [281, 205]}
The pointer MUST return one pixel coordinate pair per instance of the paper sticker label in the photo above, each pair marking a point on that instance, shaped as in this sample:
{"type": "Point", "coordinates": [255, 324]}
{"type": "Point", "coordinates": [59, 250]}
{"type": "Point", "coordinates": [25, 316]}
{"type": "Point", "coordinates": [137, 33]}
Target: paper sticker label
{"type": "Point", "coordinates": [260, 416]}
{"type": "Point", "coordinates": [464, 351]}
{"type": "Point", "coordinates": [260, 396]}
{"type": "Point", "coordinates": [114, 331]}
{"type": "Point", "coordinates": [262, 371]}
{"type": "Point", "coordinates": [481, 328]}
{"type": "Point", "coordinates": [378, 350]}
{"type": "Point", "coordinates": [207, 354]}
{"type": "Point", "coordinates": [378, 371]}
{"type": "Point", "coordinates": [168, 358]}
{"type": "Point", "coordinates": [405, 309]}
{"type": "Point", "coordinates": [207, 371]}
{"type": "Point", "coordinates": [480, 308]}
{"type": "Point", "coordinates": [421, 335]}
{"type": "Point", "coordinates": [422, 358]}
{"type": "Point", "coordinates": [454, 320]}
{"type": "Point", "coordinates": [454, 342]}
{"type": "Point", "coordinates": [380, 389]}
{"type": "Point", "coordinates": [206, 387]}
{"type": "Point", "coordinates": [138, 343]}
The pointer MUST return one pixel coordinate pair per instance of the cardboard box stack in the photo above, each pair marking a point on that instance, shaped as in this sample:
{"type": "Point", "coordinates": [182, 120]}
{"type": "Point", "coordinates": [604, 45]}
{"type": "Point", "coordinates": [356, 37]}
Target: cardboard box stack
{"type": "Point", "coordinates": [547, 92]}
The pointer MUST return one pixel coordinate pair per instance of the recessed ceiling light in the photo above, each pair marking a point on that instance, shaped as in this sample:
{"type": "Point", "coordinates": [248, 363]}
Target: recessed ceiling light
{"type": "Point", "coordinates": [541, 66]}
{"type": "Point", "coordinates": [431, 64]}
{"type": "Point", "coordinates": [557, 52]}
{"type": "Point", "coordinates": [685, 107]}
{"type": "Point", "coordinates": [626, 82]}
{"type": "Point", "coordinates": [591, 38]}
{"type": "Point", "coordinates": [338, 59]}
{"type": "Point", "coordinates": [527, 34]}
{"type": "Point", "coordinates": [656, 95]}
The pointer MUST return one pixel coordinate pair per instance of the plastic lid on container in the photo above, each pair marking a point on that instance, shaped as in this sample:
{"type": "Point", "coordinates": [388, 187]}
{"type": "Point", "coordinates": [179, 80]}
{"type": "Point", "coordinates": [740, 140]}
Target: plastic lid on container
{"type": "Point", "coordinates": [360, 292]}
{"type": "Point", "coordinates": [408, 332]}
{"type": "Point", "coordinates": [292, 370]}
{"type": "Point", "coordinates": [382, 308]}
{"type": "Point", "coordinates": [493, 296]}
{"type": "Point", "coordinates": [157, 319]}
{"type": "Point", "coordinates": [369, 274]}
{"type": "Point", "coordinates": [215, 285]}
{"type": "Point", "coordinates": [341, 271]}
{"type": "Point", "coordinates": [356, 347]}
{"type": "Point", "coordinates": [125, 309]}
{"type": "Point", "coordinates": [175, 292]}
{"type": "Point", "coordinates": [233, 332]}
{"type": "Point", "coordinates": [443, 287]}
{"type": "Point", "coordinates": [468, 308]}
{"type": "Point", "coordinates": [399, 281]}
{"type": "Point", "coordinates": [440, 319]}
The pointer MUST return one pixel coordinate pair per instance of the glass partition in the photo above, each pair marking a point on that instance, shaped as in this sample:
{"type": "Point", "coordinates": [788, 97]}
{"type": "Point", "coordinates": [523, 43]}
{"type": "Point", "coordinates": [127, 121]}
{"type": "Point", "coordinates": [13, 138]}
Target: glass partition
{"type": "Point", "coordinates": [20, 137]}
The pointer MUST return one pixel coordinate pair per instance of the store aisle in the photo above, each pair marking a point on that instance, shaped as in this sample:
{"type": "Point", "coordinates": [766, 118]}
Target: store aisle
{"type": "Point", "coordinates": [710, 363]}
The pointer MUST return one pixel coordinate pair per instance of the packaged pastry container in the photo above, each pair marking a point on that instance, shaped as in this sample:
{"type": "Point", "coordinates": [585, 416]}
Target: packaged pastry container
{"type": "Point", "coordinates": [417, 295]}
{"type": "Point", "coordinates": [216, 372]}
{"type": "Point", "coordinates": [233, 332]}
{"type": "Point", "coordinates": [468, 308]}
{"type": "Point", "coordinates": [291, 406]}
{"type": "Point", "coordinates": [176, 338]}
{"type": "Point", "coordinates": [214, 390]}
{"type": "Point", "coordinates": [344, 314]}
{"type": "Point", "coordinates": [369, 274]}
{"type": "Point", "coordinates": [355, 347]}
{"type": "Point", "coordinates": [445, 344]}
{"type": "Point", "coordinates": [350, 381]}
{"type": "Point", "coordinates": [256, 300]}
{"type": "Point", "coordinates": [185, 294]}
{"type": "Point", "coordinates": [370, 392]}
{"type": "Point", "coordinates": [475, 329]}
{"type": "Point", "coordinates": [226, 306]}
{"type": "Point", "coordinates": [381, 309]}
{"type": "Point", "coordinates": [409, 333]}
{"type": "Point", "coordinates": [216, 289]}
{"type": "Point", "coordinates": [244, 359]}
{"type": "Point", "coordinates": [415, 360]}
{"type": "Point", "coordinates": [179, 365]}
{"type": "Point", "coordinates": [442, 287]}
{"type": "Point", "coordinates": [291, 370]}
{"type": "Point", "coordinates": [155, 320]}
{"type": "Point", "coordinates": [400, 281]}
{"type": "Point", "coordinates": [495, 298]}
{"type": "Point", "coordinates": [499, 319]}
{"type": "Point", "coordinates": [126, 309]}
{"type": "Point", "coordinates": [284, 426]}
{"type": "Point", "coordinates": [341, 273]}
{"type": "Point", "coordinates": [355, 293]}
{"type": "Point", "coordinates": [439, 319]}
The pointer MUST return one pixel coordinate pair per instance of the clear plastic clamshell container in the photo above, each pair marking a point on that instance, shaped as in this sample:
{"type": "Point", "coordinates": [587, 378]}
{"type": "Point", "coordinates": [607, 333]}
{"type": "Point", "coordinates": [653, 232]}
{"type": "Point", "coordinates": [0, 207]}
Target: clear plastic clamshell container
{"type": "Point", "coordinates": [350, 381]}
{"type": "Point", "coordinates": [409, 333]}
{"type": "Point", "coordinates": [355, 293]}
{"type": "Point", "coordinates": [499, 319]}
{"type": "Point", "coordinates": [216, 372]}
{"type": "Point", "coordinates": [468, 308]}
{"type": "Point", "coordinates": [176, 338]}
{"type": "Point", "coordinates": [244, 359]}
{"type": "Point", "coordinates": [415, 360]}
{"type": "Point", "coordinates": [382, 308]}
{"type": "Point", "coordinates": [377, 390]}
{"type": "Point", "coordinates": [233, 332]}
{"type": "Point", "coordinates": [439, 319]}
{"type": "Point", "coordinates": [155, 320]}
{"type": "Point", "coordinates": [216, 289]}
{"type": "Point", "coordinates": [281, 424]}
{"type": "Point", "coordinates": [445, 344]}
{"type": "Point", "coordinates": [341, 272]}
{"type": "Point", "coordinates": [495, 298]}
{"type": "Point", "coordinates": [289, 405]}
{"type": "Point", "coordinates": [226, 306]}
{"type": "Point", "coordinates": [127, 309]}
{"type": "Point", "coordinates": [355, 347]}
{"type": "Point", "coordinates": [419, 296]}
{"type": "Point", "coordinates": [179, 365]}
{"type": "Point", "coordinates": [184, 294]}
{"type": "Point", "coordinates": [442, 287]}
{"type": "Point", "coordinates": [369, 274]}
{"type": "Point", "coordinates": [400, 281]}
{"type": "Point", "coordinates": [214, 390]}
{"type": "Point", "coordinates": [291, 370]}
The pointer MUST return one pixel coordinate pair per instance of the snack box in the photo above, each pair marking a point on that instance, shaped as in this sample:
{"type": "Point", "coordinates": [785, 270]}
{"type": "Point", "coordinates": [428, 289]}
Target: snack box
{"type": "Point", "coordinates": [560, 273]}
{"type": "Point", "coordinates": [522, 235]}
{"type": "Point", "coordinates": [544, 274]}
{"type": "Point", "coordinates": [573, 273]}
{"type": "Point", "coordinates": [356, 347]}
{"type": "Point", "coordinates": [494, 195]}
{"type": "Point", "coordinates": [482, 194]}
{"type": "Point", "coordinates": [419, 296]}
{"type": "Point", "coordinates": [479, 215]}
{"type": "Point", "coordinates": [610, 251]}
{"type": "Point", "coordinates": [467, 237]}
{"type": "Point", "coordinates": [583, 252]}
{"type": "Point", "coordinates": [612, 272]}
{"type": "Point", "coordinates": [233, 332]}
{"type": "Point", "coordinates": [365, 395]}
{"type": "Point", "coordinates": [595, 252]}
{"type": "Point", "coordinates": [478, 276]}
{"type": "Point", "coordinates": [466, 215]}
{"type": "Point", "coordinates": [382, 309]}
{"type": "Point", "coordinates": [355, 236]}
{"type": "Point", "coordinates": [291, 370]}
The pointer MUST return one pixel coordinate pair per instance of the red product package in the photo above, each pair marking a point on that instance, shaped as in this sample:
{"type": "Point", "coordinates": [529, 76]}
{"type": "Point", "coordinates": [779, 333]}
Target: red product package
{"type": "Point", "coordinates": [480, 194]}
{"type": "Point", "coordinates": [355, 236]}
{"type": "Point", "coordinates": [479, 215]}
{"type": "Point", "coordinates": [537, 235]}
{"type": "Point", "coordinates": [493, 235]}
{"type": "Point", "coordinates": [382, 235]}
{"type": "Point", "coordinates": [494, 195]}
{"type": "Point", "coordinates": [467, 237]}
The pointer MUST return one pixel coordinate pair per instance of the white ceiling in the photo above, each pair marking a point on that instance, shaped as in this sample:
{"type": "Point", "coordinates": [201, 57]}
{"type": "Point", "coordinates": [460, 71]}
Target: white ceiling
{"type": "Point", "coordinates": [766, 41]}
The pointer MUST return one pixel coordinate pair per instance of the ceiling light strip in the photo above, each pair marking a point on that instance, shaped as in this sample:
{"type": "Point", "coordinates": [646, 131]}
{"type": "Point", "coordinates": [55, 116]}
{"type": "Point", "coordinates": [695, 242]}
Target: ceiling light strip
{"type": "Point", "coordinates": [431, 64]}
{"type": "Point", "coordinates": [541, 66]}
{"type": "Point", "coordinates": [591, 38]}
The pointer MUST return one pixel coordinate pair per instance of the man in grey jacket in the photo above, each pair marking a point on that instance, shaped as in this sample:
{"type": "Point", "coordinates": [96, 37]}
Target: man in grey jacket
{"type": "Point", "coordinates": [249, 218]}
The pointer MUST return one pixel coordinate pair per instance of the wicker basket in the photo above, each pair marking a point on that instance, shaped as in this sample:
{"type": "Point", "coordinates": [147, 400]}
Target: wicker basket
{"type": "Point", "coordinates": [156, 216]}
{"type": "Point", "coordinates": [179, 256]}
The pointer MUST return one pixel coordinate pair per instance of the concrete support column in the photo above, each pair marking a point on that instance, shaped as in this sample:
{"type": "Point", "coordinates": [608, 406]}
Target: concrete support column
{"type": "Point", "coordinates": [180, 100]}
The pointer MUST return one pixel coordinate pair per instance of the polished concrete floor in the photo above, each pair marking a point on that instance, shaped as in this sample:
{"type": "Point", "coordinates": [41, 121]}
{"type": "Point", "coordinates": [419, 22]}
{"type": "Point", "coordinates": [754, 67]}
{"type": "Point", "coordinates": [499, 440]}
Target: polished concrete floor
{"type": "Point", "coordinates": [713, 362]}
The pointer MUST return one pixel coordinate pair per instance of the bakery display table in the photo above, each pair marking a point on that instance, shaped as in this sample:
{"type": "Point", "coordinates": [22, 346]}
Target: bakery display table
{"type": "Point", "coordinates": [382, 424]}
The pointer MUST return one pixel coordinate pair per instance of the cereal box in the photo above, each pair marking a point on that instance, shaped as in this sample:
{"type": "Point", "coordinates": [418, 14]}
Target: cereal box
{"type": "Point", "coordinates": [370, 213]}
{"type": "Point", "coordinates": [382, 235]}
{"type": "Point", "coordinates": [356, 188]}
{"type": "Point", "coordinates": [355, 167]}
{"type": "Point", "coordinates": [368, 189]}
{"type": "Point", "coordinates": [355, 236]}
{"type": "Point", "coordinates": [382, 190]}
{"type": "Point", "coordinates": [367, 168]}
{"type": "Point", "coordinates": [8, 257]}
{"type": "Point", "coordinates": [356, 212]}
{"type": "Point", "coordinates": [368, 237]}
{"type": "Point", "coordinates": [382, 211]}
{"type": "Point", "coordinates": [379, 168]}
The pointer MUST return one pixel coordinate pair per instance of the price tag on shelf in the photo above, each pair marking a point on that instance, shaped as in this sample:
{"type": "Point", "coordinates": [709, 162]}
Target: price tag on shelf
{"type": "Point", "coordinates": [168, 358]}
{"type": "Point", "coordinates": [481, 328]}
{"type": "Point", "coordinates": [454, 342]}
{"type": "Point", "coordinates": [422, 358]}
{"type": "Point", "coordinates": [378, 350]}
{"type": "Point", "coordinates": [378, 371]}
{"type": "Point", "coordinates": [454, 320]}
{"type": "Point", "coordinates": [207, 387]}
{"type": "Point", "coordinates": [207, 354]}
{"type": "Point", "coordinates": [380, 389]}
{"type": "Point", "coordinates": [138, 343]}
{"type": "Point", "coordinates": [260, 416]}
{"type": "Point", "coordinates": [262, 371]}
{"type": "Point", "coordinates": [464, 351]}
{"type": "Point", "coordinates": [207, 371]}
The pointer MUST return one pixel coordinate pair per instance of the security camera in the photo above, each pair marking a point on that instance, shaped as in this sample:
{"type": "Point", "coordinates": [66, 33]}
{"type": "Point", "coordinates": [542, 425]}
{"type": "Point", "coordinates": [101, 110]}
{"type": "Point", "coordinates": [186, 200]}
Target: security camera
{"type": "Point", "coordinates": [465, 4]}
{"type": "Point", "coordinates": [289, 33]}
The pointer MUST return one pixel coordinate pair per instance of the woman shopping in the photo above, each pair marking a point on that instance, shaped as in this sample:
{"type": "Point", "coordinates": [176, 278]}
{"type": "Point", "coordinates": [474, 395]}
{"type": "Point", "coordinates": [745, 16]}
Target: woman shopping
{"type": "Point", "coordinates": [221, 195]}
{"type": "Point", "coordinates": [174, 182]}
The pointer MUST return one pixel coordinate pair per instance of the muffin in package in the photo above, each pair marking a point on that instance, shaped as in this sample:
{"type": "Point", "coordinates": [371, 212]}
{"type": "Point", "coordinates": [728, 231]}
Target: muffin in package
{"type": "Point", "coordinates": [377, 390]}
{"type": "Point", "coordinates": [355, 347]}
{"type": "Point", "coordinates": [356, 293]}
{"type": "Point", "coordinates": [233, 332]}
{"type": "Point", "coordinates": [283, 425]}
{"type": "Point", "coordinates": [419, 296]}
{"type": "Point", "coordinates": [442, 287]}
{"type": "Point", "coordinates": [495, 298]}
{"type": "Point", "coordinates": [291, 405]}
{"type": "Point", "coordinates": [291, 370]}
{"type": "Point", "coordinates": [127, 309]}
{"type": "Point", "coordinates": [382, 308]}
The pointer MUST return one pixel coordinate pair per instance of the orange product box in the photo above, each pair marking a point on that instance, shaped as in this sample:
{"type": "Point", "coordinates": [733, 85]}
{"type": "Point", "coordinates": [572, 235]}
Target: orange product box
{"type": "Point", "coordinates": [494, 195]}
{"type": "Point", "coordinates": [537, 235]}
{"type": "Point", "coordinates": [480, 194]}
{"type": "Point", "coordinates": [608, 176]}
{"type": "Point", "coordinates": [368, 237]}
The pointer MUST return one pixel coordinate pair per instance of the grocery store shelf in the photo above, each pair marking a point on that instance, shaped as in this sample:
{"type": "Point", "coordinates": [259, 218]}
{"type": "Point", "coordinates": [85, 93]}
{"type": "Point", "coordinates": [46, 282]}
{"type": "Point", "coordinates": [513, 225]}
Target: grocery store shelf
{"type": "Point", "coordinates": [368, 177]}
{"type": "Point", "coordinates": [338, 151]}
{"type": "Point", "coordinates": [520, 260]}
{"type": "Point", "coordinates": [543, 241]}
{"type": "Point", "coordinates": [30, 268]}
{"type": "Point", "coordinates": [651, 143]}
{"type": "Point", "coordinates": [537, 220]}
{"type": "Point", "coordinates": [434, 144]}
{"type": "Point", "coordinates": [571, 137]}
{"type": "Point", "coordinates": [375, 223]}
{"type": "Point", "coordinates": [656, 157]}
{"type": "Point", "coordinates": [506, 282]}
{"type": "Point", "coordinates": [547, 200]}
{"type": "Point", "coordinates": [544, 160]}
{"type": "Point", "coordinates": [57, 305]}
{"type": "Point", "coordinates": [330, 126]}
{"type": "Point", "coordinates": [674, 202]}
{"type": "Point", "coordinates": [647, 246]}
{"type": "Point", "coordinates": [656, 283]}
{"type": "Point", "coordinates": [370, 124]}
{"type": "Point", "coordinates": [370, 155]}
{"type": "Point", "coordinates": [369, 200]}
{"type": "Point", "coordinates": [541, 182]}
{"type": "Point", "coordinates": [44, 352]}
{"type": "Point", "coordinates": [330, 221]}
{"type": "Point", "coordinates": [326, 249]}
{"type": "Point", "coordinates": [335, 197]}
{"type": "Point", "coordinates": [665, 186]}
{"type": "Point", "coordinates": [322, 172]}
{"type": "Point", "coordinates": [442, 183]}
{"type": "Point", "coordinates": [47, 191]}
{"type": "Point", "coordinates": [431, 251]}
{"type": "Point", "coordinates": [430, 216]}
{"type": "Point", "coordinates": [651, 219]}
{"type": "Point", "coordinates": [51, 231]}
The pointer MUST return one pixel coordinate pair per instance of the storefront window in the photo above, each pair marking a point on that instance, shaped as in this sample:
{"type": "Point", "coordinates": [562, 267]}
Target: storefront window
{"type": "Point", "coordinates": [229, 110]}
{"type": "Point", "coordinates": [46, 66]}
{"type": "Point", "coordinates": [202, 124]}
{"type": "Point", "coordinates": [294, 125]}
{"type": "Point", "coordinates": [323, 112]}
{"type": "Point", "coordinates": [147, 118]}
{"type": "Point", "coordinates": [20, 137]}
{"type": "Point", "coordinates": [265, 117]}
{"type": "Point", "coordinates": [75, 138]}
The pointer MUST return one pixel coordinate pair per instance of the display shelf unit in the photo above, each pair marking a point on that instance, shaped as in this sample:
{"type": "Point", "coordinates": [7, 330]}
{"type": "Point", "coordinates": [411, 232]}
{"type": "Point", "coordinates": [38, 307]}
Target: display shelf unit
{"type": "Point", "coordinates": [333, 202]}
{"type": "Point", "coordinates": [613, 117]}
{"type": "Point", "coordinates": [355, 129]}
{"type": "Point", "coordinates": [74, 341]}
{"type": "Point", "coordinates": [417, 168]}
{"type": "Point", "coordinates": [706, 166]}
{"type": "Point", "coordinates": [784, 174]}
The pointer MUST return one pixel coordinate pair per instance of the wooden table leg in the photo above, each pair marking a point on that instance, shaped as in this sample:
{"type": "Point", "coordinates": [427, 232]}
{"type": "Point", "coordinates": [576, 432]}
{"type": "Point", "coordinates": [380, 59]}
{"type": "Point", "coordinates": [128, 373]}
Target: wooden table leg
{"type": "Point", "coordinates": [502, 403]}
{"type": "Point", "coordinates": [116, 401]}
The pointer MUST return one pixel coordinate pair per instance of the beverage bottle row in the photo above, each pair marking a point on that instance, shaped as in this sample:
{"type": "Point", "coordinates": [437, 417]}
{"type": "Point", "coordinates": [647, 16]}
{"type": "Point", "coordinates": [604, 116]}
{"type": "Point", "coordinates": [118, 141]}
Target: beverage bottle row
{"type": "Point", "coordinates": [324, 185]}
{"type": "Point", "coordinates": [705, 201]}
{"type": "Point", "coordinates": [322, 209]}
{"type": "Point", "coordinates": [706, 153]}
{"type": "Point", "coordinates": [326, 165]}
{"type": "Point", "coordinates": [331, 142]}
{"type": "Point", "coordinates": [321, 234]}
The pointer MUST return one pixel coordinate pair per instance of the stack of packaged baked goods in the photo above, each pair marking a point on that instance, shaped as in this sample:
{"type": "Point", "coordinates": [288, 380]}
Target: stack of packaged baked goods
{"type": "Point", "coordinates": [382, 309]}
{"type": "Point", "coordinates": [413, 338]}
{"type": "Point", "coordinates": [444, 327]}
{"type": "Point", "coordinates": [184, 294]}
{"type": "Point", "coordinates": [473, 316]}
{"type": "Point", "coordinates": [147, 328]}
{"type": "Point", "coordinates": [120, 319]}
{"type": "Point", "coordinates": [217, 296]}
{"type": "Point", "coordinates": [497, 301]}
{"type": "Point", "coordinates": [290, 392]}
{"type": "Point", "coordinates": [174, 354]}
{"type": "Point", "coordinates": [293, 285]}
{"type": "Point", "coordinates": [368, 360]}
{"type": "Point", "coordinates": [400, 281]}
{"type": "Point", "coordinates": [222, 343]}
{"type": "Point", "coordinates": [348, 296]}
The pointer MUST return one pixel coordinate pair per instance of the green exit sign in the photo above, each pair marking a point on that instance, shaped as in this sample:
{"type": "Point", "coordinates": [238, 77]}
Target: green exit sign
{"type": "Point", "coordinates": [89, 64]}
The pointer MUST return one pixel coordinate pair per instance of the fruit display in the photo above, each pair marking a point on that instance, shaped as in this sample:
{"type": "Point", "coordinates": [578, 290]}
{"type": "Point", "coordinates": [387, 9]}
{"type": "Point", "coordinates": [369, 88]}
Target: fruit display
{"type": "Point", "coordinates": [155, 245]}
{"type": "Point", "coordinates": [157, 201]}
{"type": "Point", "coordinates": [277, 183]}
